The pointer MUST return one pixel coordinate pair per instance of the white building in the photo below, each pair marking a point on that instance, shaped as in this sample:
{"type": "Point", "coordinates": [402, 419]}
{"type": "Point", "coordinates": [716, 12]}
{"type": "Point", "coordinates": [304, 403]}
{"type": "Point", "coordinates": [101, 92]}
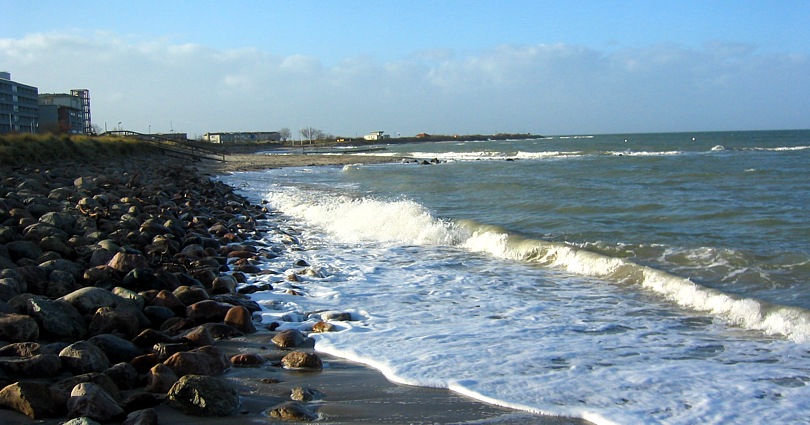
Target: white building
{"type": "Point", "coordinates": [376, 135]}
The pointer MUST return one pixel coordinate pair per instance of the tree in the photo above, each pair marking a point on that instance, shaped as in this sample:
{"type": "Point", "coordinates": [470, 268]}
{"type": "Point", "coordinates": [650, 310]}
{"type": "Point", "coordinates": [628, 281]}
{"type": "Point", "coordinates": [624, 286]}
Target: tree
{"type": "Point", "coordinates": [311, 134]}
{"type": "Point", "coordinates": [285, 134]}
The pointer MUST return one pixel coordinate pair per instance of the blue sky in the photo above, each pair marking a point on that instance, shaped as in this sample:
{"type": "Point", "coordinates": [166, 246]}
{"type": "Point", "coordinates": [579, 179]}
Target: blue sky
{"type": "Point", "coordinates": [349, 67]}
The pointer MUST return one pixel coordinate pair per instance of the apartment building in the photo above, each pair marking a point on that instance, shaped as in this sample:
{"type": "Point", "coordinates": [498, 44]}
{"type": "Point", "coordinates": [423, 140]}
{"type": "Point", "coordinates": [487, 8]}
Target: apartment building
{"type": "Point", "coordinates": [19, 106]}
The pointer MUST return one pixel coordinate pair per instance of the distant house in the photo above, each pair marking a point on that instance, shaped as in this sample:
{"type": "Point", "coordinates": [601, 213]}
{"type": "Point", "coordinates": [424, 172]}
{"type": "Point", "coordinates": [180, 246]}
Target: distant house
{"type": "Point", "coordinates": [376, 135]}
{"type": "Point", "coordinates": [422, 136]}
{"type": "Point", "coordinates": [243, 137]}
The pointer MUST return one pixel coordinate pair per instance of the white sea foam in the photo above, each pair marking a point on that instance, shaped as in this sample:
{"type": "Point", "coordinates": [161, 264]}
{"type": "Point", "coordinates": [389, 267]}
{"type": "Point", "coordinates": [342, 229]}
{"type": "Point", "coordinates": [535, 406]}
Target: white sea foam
{"type": "Point", "coordinates": [429, 314]}
{"type": "Point", "coordinates": [536, 325]}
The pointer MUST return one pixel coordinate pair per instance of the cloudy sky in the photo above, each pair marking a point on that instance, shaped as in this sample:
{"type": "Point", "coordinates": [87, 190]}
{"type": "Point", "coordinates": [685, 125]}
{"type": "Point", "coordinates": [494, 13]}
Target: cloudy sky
{"type": "Point", "coordinates": [441, 67]}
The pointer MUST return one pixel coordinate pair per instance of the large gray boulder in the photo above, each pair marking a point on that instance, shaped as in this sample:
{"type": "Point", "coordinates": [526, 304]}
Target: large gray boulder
{"type": "Point", "coordinates": [203, 396]}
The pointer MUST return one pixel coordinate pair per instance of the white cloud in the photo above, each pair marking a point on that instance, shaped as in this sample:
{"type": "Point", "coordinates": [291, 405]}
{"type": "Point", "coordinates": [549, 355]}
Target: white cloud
{"type": "Point", "coordinates": [548, 89]}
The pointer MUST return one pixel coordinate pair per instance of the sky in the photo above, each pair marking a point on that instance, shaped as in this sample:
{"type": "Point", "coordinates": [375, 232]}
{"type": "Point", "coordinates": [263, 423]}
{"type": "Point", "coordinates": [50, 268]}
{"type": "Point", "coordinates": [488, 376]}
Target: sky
{"type": "Point", "coordinates": [407, 67]}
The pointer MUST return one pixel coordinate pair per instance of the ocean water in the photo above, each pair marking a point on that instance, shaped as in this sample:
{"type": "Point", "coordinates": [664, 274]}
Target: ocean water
{"type": "Point", "coordinates": [640, 278]}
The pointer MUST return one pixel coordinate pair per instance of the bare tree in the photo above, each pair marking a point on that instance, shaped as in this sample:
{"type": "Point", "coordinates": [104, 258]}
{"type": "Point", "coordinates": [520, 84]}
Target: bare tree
{"type": "Point", "coordinates": [311, 134]}
{"type": "Point", "coordinates": [285, 134]}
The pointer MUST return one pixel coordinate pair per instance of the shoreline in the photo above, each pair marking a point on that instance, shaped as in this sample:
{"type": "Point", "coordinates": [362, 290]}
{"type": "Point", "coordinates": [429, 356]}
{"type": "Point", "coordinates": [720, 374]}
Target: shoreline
{"type": "Point", "coordinates": [354, 393]}
{"type": "Point", "coordinates": [409, 404]}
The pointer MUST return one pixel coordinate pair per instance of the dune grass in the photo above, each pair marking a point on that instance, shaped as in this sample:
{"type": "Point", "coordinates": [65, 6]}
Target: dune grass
{"type": "Point", "coordinates": [19, 149]}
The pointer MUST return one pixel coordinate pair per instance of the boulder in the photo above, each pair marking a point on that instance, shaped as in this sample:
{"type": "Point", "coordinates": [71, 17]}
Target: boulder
{"type": "Point", "coordinates": [84, 357]}
{"type": "Point", "coordinates": [289, 338]}
{"type": "Point", "coordinates": [124, 375]}
{"type": "Point", "coordinates": [91, 401]}
{"type": "Point", "coordinates": [248, 360]}
{"type": "Point", "coordinates": [198, 336]}
{"type": "Point", "coordinates": [62, 389]}
{"type": "Point", "coordinates": [88, 300]}
{"type": "Point", "coordinates": [292, 411]}
{"type": "Point", "coordinates": [160, 379]}
{"type": "Point", "coordinates": [223, 285]}
{"type": "Point", "coordinates": [18, 328]}
{"type": "Point", "coordinates": [323, 327]}
{"type": "Point", "coordinates": [31, 366]}
{"type": "Point", "coordinates": [207, 311]}
{"type": "Point", "coordinates": [189, 295]}
{"type": "Point", "coordinates": [240, 318]}
{"type": "Point", "coordinates": [55, 317]}
{"type": "Point", "coordinates": [23, 249]}
{"type": "Point", "coordinates": [305, 394]}
{"type": "Point", "coordinates": [33, 399]}
{"type": "Point", "coordinates": [142, 417]}
{"type": "Point", "coordinates": [125, 263]}
{"type": "Point", "coordinates": [208, 360]}
{"type": "Point", "coordinates": [302, 360]}
{"type": "Point", "coordinates": [116, 349]}
{"type": "Point", "coordinates": [203, 396]}
{"type": "Point", "coordinates": [106, 320]}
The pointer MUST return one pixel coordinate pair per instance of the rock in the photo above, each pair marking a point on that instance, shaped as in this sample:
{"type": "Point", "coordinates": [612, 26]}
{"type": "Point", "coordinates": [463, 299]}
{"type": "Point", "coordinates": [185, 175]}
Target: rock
{"type": "Point", "coordinates": [88, 300]}
{"type": "Point", "coordinates": [33, 399]}
{"type": "Point", "coordinates": [336, 316]}
{"type": "Point", "coordinates": [208, 360]}
{"type": "Point", "coordinates": [71, 267]}
{"type": "Point", "coordinates": [62, 389]}
{"type": "Point", "coordinates": [240, 318]}
{"type": "Point", "coordinates": [167, 299]}
{"type": "Point", "coordinates": [238, 300]}
{"type": "Point", "coordinates": [222, 331]}
{"type": "Point", "coordinates": [81, 421]}
{"type": "Point", "coordinates": [53, 243]}
{"type": "Point", "coordinates": [305, 394]}
{"type": "Point", "coordinates": [198, 336]}
{"type": "Point", "coordinates": [323, 327]}
{"type": "Point", "coordinates": [125, 263]}
{"type": "Point", "coordinates": [106, 320]}
{"type": "Point", "coordinates": [116, 349]}
{"type": "Point", "coordinates": [302, 360]}
{"type": "Point", "coordinates": [57, 318]}
{"type": "Point", "coordinates": [160, 379]}
{"type": "Point", "coordinates": [289, 338]}
{"type": "Point", "coordinates": [60, 220]}
{"type": "Point", "coordinates": [203, 396]}
{"type": "Point", "coordinates": [92, 401]}
{"type": "Point", "coordinates": [18, 328]}
{"type": "Point", "coordinates": [157, 315]}
{"type": "Point", "coordinates": [33, 366]}
{"type": "Point", "coordinates": [124, 375]}
{"type": "Point", "coordinates": [37, 231]}
{"type": "Point", "coordinates": [141, 279]}
{"type": "Point", "coordinates": [223, 285]}
{"type": "Point", "coordinates": [23, 249]}
{"type": "Point", "coordinates": [10, 287]}
{"type": "Point", "coordinates": [142, 417]}
{"type": "Point", "coordinates": [189, 295]}
{"type": "Point", "coordinates": [248, 360]}
{"type": "Point", "coordinates": [207, 311]}
{"type": "Point", "coordinates": [140, 401]}
{"type": "Point", "coordinates": [84, 357]}
{"type": "Point", "coordinates": [292, 411]}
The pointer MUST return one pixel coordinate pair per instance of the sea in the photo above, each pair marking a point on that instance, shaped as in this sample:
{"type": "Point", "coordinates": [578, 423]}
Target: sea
{"type": "Point", "coordinates": [621, 279]}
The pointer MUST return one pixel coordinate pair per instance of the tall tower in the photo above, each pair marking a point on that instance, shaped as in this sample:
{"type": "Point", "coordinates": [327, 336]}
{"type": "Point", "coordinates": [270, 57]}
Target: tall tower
{"type": "Point", "coordinates": [84, 95]}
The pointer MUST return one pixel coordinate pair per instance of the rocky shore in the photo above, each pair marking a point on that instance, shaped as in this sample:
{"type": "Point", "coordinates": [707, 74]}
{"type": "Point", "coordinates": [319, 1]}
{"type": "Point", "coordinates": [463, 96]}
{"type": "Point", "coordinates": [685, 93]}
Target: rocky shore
{"type": "Point", "coordinates": [123, 299]}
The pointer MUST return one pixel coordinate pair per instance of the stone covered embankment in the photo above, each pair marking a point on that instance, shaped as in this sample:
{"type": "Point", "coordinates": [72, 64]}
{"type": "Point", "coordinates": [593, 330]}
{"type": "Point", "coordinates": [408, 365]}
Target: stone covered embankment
{"type": "Point", "coordinates": [116, 282]}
